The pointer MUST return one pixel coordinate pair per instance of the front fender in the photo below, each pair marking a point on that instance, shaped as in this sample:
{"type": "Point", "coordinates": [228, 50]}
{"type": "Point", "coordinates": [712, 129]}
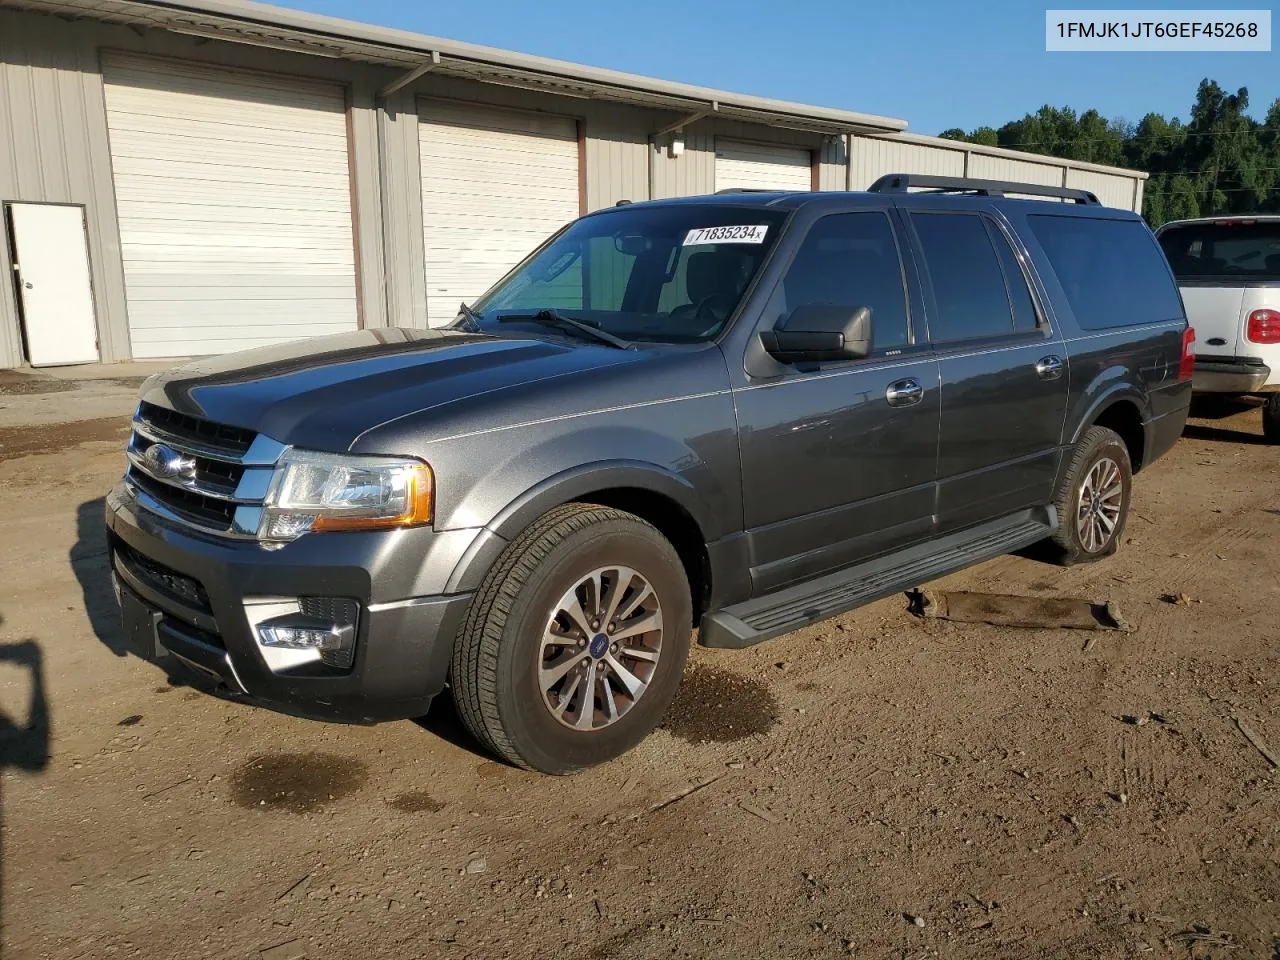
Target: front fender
{"type": "Point", "coordinates": [685, 451]}
{"type": "Point", "coordinates": [564, 487]}
{"type": "Point", "coordinates": [577, 482]}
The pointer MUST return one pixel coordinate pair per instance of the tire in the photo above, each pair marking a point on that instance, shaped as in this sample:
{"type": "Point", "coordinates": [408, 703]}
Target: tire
{"type": "Point", "coordinates": [1083, 535]}
{"type": "Point", "coordinates": [1271, 418]}
{"type": "Point", "coordinates": [497, 671]}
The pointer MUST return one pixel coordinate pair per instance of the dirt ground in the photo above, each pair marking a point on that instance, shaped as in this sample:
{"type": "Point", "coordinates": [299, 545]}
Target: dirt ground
{"type": "Point", "coordinates": [875, 786]}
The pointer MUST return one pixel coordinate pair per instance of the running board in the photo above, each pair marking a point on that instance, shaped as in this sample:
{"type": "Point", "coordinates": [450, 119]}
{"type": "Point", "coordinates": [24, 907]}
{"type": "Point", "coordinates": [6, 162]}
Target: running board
{"type": "Point", "coordinates": [763, 618]}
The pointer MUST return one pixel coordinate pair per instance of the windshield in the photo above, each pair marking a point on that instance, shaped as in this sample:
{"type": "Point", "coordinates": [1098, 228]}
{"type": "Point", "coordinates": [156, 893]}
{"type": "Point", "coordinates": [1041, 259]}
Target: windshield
{"type": "Point", "coordinates": [670, 274]}
{"type": "Point", "coordinates": [1224, 249]}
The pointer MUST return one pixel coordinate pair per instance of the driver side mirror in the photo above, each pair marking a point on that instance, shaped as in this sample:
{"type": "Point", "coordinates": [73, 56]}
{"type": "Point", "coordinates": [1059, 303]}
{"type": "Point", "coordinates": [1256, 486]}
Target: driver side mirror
{"type": "Point", "coordinates": [815, 332]}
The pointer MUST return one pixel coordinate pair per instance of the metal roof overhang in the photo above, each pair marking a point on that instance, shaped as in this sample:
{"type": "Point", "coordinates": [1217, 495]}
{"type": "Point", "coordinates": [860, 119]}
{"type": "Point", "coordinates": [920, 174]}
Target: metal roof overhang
{"type": "Point", "coordinates": [239, 21]}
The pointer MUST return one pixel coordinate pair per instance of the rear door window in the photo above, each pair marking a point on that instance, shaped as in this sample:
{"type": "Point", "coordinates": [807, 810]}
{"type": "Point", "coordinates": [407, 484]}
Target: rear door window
{"type": "Point", "coordinates": [1224, 250]}
{"type": "Point", "coordinates": [970, 296]}
{"type": "Point", "coordinates": [1112, 271]}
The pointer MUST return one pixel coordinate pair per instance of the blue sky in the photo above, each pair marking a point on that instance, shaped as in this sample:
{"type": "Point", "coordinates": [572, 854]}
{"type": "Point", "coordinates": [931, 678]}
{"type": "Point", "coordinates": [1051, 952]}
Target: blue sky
{"type": "Point", "coordinates": [936, 64]}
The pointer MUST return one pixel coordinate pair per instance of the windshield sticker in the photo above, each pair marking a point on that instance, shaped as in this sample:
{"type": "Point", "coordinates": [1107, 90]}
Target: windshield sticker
{"type": "Point", "coordinates": [730, 234]}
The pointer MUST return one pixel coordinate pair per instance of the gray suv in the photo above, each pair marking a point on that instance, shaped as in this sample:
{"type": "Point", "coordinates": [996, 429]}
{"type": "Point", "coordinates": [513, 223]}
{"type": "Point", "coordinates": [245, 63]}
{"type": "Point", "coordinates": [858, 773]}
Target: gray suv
{"type": "Point", "coordinates": [740, 413]}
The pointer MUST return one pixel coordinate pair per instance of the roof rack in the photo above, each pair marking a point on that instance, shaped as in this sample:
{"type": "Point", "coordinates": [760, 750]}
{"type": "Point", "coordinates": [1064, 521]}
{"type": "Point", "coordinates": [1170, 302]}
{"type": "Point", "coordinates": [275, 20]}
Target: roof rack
{"type": "Point", "coordinates": [748, 190]}
{"type": "Point", "coordinates": [902, 182]}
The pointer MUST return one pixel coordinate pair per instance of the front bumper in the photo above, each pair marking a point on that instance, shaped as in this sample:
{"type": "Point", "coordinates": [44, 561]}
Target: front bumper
{"type": "Point", "coordinates": [404, 638]}
{"type": "Point", "coordinates": [1230, 376]}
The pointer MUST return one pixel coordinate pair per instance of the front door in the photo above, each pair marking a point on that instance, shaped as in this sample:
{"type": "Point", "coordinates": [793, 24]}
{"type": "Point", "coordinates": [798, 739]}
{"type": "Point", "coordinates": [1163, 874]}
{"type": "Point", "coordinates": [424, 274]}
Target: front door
{"type": "Point", "coordinates": [53, 283]}
{"type": "Point", "coordinates": [1003, 372]}
{"type": "Point", "coordinates": [838, 459]}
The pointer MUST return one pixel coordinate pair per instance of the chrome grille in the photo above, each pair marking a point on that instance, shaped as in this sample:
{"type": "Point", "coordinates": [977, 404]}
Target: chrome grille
{"type": "Point", "coordinates": [194, 433]}
{"type": "Point", "coordinates": [205, 475]}
{"type": "Point", "coordinates": [196, 508]}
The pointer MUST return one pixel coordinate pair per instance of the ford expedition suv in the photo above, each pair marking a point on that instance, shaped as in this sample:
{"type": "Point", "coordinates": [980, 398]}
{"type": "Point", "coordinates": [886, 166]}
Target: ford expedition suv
{"type": "Point", "coordinates": [743, 413]}
{"type": "Point", "coordinates": [1229, 271]}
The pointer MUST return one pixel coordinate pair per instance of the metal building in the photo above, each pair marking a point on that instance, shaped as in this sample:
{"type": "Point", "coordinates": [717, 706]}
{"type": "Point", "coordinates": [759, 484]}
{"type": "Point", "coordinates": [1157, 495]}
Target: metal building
{"type": "Point", "coordinates": [201, 176]}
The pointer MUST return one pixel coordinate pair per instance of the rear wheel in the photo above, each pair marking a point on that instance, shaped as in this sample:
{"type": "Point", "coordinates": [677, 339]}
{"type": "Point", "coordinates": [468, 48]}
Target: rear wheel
{"type": "Point", "coordinates": [1271, 418]}
{"type": "Point", "coordinates": [1093, 503]}
{"type": "Point", "coordinates": [575, 643]}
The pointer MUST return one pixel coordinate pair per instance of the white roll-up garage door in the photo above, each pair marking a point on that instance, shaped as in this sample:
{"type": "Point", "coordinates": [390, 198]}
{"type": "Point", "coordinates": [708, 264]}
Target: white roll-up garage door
{"type": "Point", "coordinates": [234, 203]}
{"type": "Point", "coordinates": [495, 184]}
{"type": "Point", "coordinates": [761, 167]}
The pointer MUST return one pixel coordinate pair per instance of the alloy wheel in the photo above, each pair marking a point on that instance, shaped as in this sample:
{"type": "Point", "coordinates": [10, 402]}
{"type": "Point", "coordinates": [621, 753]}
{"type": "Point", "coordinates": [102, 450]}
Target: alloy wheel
{"type": "Point", "coordinates": [1099, 505]}
{"type": "Point", "coordinates": [600, 648]}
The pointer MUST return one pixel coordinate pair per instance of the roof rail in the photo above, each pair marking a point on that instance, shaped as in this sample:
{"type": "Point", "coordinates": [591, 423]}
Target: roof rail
{"type": "Point", "coordinates": [902, 182]}
{"type": "Point", "coordinates": [749, 190]}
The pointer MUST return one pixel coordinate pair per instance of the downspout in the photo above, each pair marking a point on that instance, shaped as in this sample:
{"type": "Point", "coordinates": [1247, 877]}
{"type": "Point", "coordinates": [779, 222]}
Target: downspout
{"type": "Point", "coordinates": [653, 150]}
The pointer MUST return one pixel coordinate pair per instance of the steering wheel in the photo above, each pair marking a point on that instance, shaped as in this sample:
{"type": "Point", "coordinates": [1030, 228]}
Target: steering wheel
{"type": "Point", "coordinates": [715, 307]}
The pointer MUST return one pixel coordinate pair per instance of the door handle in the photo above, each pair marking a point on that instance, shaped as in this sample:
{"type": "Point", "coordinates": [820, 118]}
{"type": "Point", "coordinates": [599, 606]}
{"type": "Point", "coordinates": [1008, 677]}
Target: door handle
{"type": "Point", "coordinates": [29, 285]}
{"type": "Point", "coordinates": [1049, 368]}
{"type": "Point", "coordinates": [903, 393]}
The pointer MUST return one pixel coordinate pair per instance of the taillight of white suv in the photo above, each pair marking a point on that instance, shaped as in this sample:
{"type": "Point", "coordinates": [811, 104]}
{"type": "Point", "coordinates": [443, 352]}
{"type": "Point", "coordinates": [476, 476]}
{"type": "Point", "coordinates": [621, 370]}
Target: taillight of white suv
{"type": "Point", "coordinates": [1263, 326]}
{"type": "Point", "coordinates": [1187, 365]}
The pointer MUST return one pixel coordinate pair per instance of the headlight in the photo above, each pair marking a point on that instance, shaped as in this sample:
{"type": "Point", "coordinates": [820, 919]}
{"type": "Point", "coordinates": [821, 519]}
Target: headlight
{"type": "Point", "coordinates": [333, 491]}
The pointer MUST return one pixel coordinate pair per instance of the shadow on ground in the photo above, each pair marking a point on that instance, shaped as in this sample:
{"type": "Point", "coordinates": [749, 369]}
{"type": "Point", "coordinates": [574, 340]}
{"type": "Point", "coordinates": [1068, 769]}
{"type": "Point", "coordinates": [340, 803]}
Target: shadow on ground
{"type": "Point", "coordinates": [24, 741]}
{"type": "Point", "coordinates": [442, 721]}
{"type": "Point", "coordinates": [1197, 432]}
{"type": "Point", "coordinates": [1213, 406]}
{"type": "Point", "coordinates": [92, 567]}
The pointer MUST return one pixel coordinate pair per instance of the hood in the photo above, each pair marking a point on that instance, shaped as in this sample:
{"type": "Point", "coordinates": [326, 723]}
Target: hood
{"type": "Point", "coordinates": [323, 393]}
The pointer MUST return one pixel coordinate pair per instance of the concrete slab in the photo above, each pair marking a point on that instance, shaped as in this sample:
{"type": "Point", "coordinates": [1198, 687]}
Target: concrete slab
{"type": "Point", "coordinates": [103, 371]}
{"type": "Point", "coordinates": [31, 400]}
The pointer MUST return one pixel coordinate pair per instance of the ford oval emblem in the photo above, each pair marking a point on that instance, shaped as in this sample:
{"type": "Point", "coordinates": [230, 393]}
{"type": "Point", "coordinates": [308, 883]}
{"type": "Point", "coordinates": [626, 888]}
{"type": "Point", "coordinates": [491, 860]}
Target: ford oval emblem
{"type": "Point", "coordinates": [166, 463]}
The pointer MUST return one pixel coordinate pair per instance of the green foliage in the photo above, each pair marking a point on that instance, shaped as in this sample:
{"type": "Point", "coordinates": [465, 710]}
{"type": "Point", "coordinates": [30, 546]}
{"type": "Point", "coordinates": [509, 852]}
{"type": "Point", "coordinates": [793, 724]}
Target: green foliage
{"type": "Point", "coordinates": [1220, 161]}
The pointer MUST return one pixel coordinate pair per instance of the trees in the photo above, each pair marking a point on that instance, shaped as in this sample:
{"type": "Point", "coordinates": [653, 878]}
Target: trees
{"type": "Point", "coordinates": [1220, 161]}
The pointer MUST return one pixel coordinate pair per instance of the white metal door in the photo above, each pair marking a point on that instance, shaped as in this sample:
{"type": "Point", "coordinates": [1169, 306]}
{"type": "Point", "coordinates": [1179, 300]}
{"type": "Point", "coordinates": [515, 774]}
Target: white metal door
{"type": "Point", "coordinates": [234, 202]}
{"type": "Point", "coordinates": [495, 184]}
{"type": "Point", "coordinates": [757, 166]}
{"type": "Point", "coordinates": [53, 282]}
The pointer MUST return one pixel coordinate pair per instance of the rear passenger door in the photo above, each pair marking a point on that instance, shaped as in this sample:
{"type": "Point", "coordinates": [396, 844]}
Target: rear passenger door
{"type": "Point", "coordinates": [1003, 370]}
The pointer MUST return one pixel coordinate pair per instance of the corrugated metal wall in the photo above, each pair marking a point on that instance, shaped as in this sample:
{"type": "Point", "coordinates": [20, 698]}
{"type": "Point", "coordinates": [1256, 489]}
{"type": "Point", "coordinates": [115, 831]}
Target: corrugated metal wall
{"type": "Point", "coordinates": [1024, 171]}
{"type": "Point", "coordinates": [56, 149]}
{"type": "Point", "coordinates": [834, 171]}
{"type": "Point", "coordinates": [694, 171]}
{"type": "Point", "coordinates": [617, 155]}
{"type": "Point", "coordinates": [873, 157]}
{"type": "Point", "coordinates": [405, 282]}
{"type": "Point", "coordinates": [1112, 191]}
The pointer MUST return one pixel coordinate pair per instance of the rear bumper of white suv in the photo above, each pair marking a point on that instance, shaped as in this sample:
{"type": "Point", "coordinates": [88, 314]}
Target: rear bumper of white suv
{"type": "Point", "coordinates": [1231, 375]}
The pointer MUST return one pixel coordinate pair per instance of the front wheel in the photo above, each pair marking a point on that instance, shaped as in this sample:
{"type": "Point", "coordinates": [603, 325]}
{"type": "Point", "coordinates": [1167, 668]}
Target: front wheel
{"type": "Point", "coordinates": [1093, 503]}
{"type": "Point", "coordinates": [575, 643]}
{"type": "Point", "coordinates": [1271, 418]}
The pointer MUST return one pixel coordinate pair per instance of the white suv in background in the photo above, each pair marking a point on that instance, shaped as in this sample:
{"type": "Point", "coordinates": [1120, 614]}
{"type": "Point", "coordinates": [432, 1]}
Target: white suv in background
{"type": "Point", "coordinates": [1228, 269]}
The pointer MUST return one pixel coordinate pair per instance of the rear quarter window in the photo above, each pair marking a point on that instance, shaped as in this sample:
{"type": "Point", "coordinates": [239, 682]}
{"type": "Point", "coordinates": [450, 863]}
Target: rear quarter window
{"type": "Point", "coordinates": [1112, 271]}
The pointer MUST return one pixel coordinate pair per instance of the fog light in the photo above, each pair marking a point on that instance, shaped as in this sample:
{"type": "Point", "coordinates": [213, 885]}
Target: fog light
{"type": "Point", "coordinates": [334, 642]}
{"type": "Point", "coordinates": [293, 633]}
{"type": "Point", "coordinates": [293, 636]}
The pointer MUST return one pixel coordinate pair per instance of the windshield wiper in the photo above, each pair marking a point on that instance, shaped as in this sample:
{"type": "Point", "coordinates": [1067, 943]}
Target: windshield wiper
{"type": "Point", "coordinates": [552, 317]}
{"type": "Point", "coordinates": [470, 314]}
